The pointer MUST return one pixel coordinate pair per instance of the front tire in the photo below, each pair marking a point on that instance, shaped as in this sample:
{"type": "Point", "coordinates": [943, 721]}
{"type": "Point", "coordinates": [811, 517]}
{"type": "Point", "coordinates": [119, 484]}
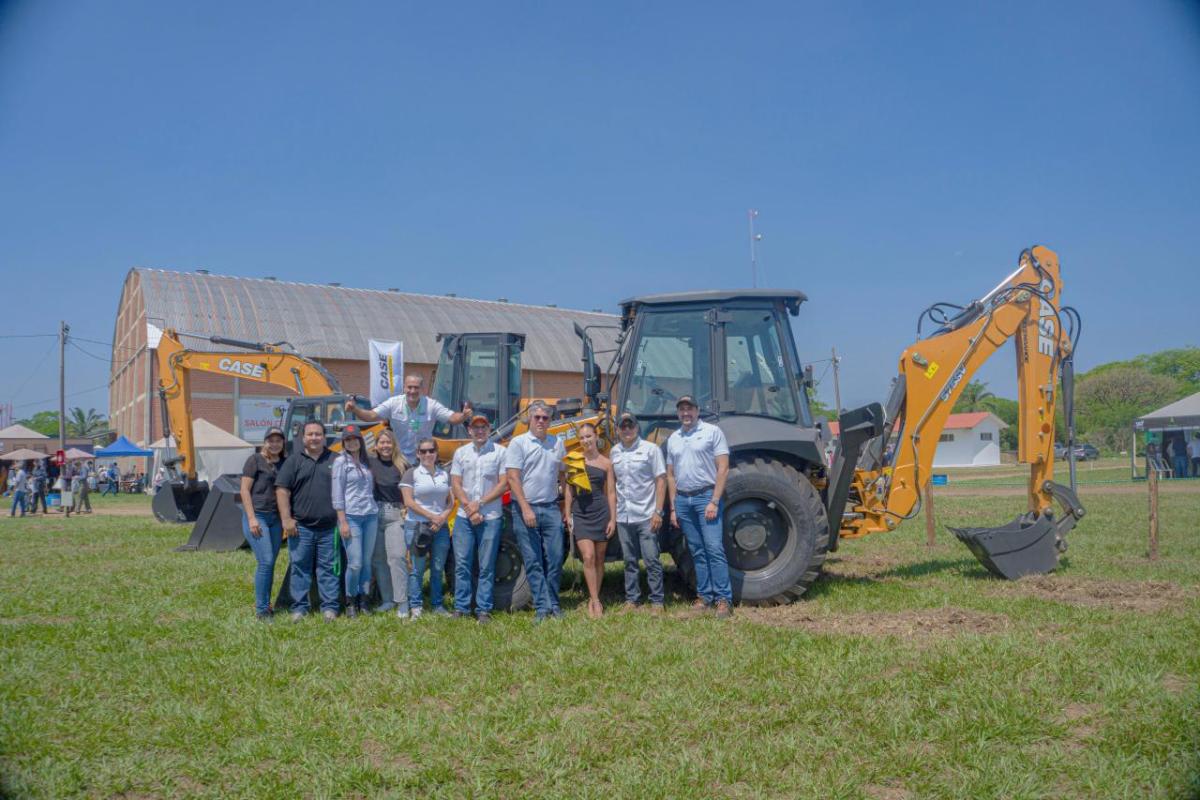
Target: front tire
{"type": "Point", "coordinates": [776, 531]}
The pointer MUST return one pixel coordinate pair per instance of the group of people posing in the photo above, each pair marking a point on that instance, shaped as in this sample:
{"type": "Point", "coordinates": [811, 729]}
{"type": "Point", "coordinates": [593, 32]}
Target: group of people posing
{"type": "Point", "coordinates": [393, 524]}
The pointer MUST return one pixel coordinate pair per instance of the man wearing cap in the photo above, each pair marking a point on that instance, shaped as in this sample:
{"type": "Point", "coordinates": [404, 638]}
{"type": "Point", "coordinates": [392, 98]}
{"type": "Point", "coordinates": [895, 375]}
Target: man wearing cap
{"type": "Point", "coordinates": [641, 488]}
{"type": "Point", "coordinates": [697, 467]}
{"type": "Point", "coordinates": [535, 465]}
{"type": "Point", "coordinates": [411, 415]}
{"type": "Point", "coordinates": [304, 492]}
{"type": "Point", "coordinates": [478, 480]}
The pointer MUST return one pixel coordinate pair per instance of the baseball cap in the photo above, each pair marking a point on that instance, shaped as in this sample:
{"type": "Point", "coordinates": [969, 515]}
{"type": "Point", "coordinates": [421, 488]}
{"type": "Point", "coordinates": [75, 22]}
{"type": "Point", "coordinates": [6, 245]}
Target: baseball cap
{"type": "Point", "coordinates": [626, 417]}
{"type": "Point", "coordinates": [478, 418]}
{"type": "Point", "coordinates": [687, 398]}
{"type": "Point", "coordinates": [273, 432]}
{"type": "Point", "coordinates": [351, 430]}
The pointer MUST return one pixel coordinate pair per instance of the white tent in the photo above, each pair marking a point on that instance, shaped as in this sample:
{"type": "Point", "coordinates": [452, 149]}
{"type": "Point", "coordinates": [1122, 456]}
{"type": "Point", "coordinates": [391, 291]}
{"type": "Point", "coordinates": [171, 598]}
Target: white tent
{"type": "Point", "coordinates": [217, 452]}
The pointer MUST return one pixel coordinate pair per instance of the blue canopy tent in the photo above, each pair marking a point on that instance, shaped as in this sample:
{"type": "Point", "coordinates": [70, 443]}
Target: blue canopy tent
{"type": "Point", "coordinates": [122, 447]}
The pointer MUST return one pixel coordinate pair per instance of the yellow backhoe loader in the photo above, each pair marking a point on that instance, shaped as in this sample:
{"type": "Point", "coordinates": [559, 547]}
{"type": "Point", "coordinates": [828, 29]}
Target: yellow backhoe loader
{"type": "Point", "coordinates": [787, 502]}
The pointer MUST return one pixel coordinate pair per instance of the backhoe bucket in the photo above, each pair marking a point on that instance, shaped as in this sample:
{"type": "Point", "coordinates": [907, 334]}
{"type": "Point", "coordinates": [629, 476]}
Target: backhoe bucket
{"type": "Point", "coordinates": [1023, 547]}
{"type": "Point", "coordinates": [1030, 544]}
{"type": "Point", "coordinates": [178, 501]}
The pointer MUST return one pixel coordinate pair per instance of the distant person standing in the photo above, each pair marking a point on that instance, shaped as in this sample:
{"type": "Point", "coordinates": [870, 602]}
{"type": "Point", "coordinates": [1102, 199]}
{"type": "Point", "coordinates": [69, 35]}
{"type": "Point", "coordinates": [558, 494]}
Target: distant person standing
{"type": "Point", "coordinates": [535, 466]}
{"type": "Point", "coordinates": [83, 475]}
{"type": "Point", "coordinates": [697, 467]}
{"type": "Point", "coordinates": [38, 481]}
{"type": "Point", "coordinates": [1179, 456]}
{"type": "Point", "coordinates": [357, 516]}
{"type": "Point", "coordinates": [304, 492]}
{"type": "Point", "coordinates": [641, 488]}
{"type": "Point", "coordinates": [260, 517]}
{"type": "Point", "coordinates": [112, 479]}
{"type": "Point", "coordinates": [478, 480]}
{"type": "Point", "coordinates": [412, 415]}
{"type": "Point", "coordinates": [20, 489]}
{"type": "Point", "coordinates": [1194, 453]}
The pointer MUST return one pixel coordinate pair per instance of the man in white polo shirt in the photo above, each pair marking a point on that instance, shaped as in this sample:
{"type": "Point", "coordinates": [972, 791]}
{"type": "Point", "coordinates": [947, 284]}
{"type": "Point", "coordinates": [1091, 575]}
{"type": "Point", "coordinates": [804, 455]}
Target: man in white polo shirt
{"type": "Point", "coordinates": [478, 479]}
{"type": "Point", "coordinates": [641, 487]}
{"type": "Point", "coordinates": [697, 467]}
{"type": "Point", "coordinates": [412, 415]}
{"type": "Point", "coordinates": [535, 465]}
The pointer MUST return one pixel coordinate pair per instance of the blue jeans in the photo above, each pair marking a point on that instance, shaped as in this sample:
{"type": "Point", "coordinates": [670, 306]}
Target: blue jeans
{"type": "Point", "coordinates": [360, 549]}
{"type": "Point", "coordinates": [1180, 466]}
{"type": "Point", "coordinates": [109, 488]}
{"type": "Point", "coordinates": [471, 540]}
{"type": "Point", "coordinates": [638, 541]}
{"type": "Point", "coordinates": [306, 546]}
{"type": "Point", "coordinates": [18, 500]}
{"type": "Point", "coordinates": [266, 551]}
{"type": "Point", "coordinates": [438, 550]}
{"type": "Point", "coordinates": [706, 542]}
{"type": "Point", "coordinates": [542, 552]}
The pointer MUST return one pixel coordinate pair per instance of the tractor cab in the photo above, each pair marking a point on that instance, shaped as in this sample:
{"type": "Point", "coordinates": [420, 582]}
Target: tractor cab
{"type": "Point", "coordinates": [732, 351]}
{"type": "Point", "coordinates": [483, 368]}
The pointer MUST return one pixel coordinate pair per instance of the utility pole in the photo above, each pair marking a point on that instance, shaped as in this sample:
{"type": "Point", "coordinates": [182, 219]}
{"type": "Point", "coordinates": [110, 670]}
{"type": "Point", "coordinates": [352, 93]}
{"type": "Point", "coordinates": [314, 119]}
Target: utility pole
{"type": "Point", "coordinates": [754, 239]}
{"type": "Point", "coordinates": [63, 328]}
{"type": "Point", "coordinates": [837, 387]}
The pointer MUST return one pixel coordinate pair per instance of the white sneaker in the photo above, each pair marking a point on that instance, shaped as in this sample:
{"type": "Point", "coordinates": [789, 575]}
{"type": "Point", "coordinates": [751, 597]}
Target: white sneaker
{"type": "Point", "coordinates": [415, 614]}
{"type": "Point", "coordinates": [402, 613]}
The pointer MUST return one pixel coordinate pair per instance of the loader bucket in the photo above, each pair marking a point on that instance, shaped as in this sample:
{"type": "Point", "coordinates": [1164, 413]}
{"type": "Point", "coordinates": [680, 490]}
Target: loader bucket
{"type": "Point", "coordinates": [178, 501]}
{"type": "Point", "coordinates": [1031, 543]}
{"type": "Point", "coordinates": [219, 524]}
{"type": "Point", "coordinates": [1022, 547]}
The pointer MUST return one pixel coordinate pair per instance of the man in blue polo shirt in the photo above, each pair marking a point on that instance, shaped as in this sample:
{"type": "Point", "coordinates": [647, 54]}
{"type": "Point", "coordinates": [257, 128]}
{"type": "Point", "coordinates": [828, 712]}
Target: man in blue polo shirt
{"type": "Point", "coordinates": [697, 467]}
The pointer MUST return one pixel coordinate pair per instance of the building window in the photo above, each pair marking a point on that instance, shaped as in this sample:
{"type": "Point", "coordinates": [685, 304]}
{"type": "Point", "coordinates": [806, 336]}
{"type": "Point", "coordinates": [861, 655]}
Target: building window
{"type": "Point", "coordinates": [986, 436]}
{"type": "Point", "coordinates": [946, 437]}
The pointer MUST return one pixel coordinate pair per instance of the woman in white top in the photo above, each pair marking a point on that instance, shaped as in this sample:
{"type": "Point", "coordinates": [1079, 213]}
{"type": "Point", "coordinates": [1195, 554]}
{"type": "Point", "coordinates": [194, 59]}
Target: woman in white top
{"type": "Point", "coordinates": [426, 490]}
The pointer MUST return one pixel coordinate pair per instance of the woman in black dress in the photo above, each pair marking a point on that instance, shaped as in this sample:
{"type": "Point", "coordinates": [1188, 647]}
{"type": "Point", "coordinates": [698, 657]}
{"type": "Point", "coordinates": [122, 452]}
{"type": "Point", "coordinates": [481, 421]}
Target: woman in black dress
{"type": "Point", "coordinates": [592, 516]}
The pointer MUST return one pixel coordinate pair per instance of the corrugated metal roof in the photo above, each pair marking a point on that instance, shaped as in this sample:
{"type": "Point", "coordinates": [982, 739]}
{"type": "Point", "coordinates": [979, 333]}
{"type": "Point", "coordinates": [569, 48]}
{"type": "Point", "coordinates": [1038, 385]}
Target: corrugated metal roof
{"type": "Point", "coordinates": [336, 322]}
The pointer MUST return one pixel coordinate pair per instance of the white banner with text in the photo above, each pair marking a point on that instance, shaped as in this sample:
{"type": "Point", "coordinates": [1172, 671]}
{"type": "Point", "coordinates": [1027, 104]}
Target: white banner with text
{"type": "Point", "coordinates": [257, 414]}
{"type": "Point", "coordinates": [386, 362]}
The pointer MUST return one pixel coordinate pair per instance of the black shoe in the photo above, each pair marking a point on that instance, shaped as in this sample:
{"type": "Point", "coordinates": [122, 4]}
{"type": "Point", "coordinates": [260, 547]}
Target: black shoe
{"type": "Point", "coordinates": [352, 609]}
{"type": "Point", "coordinates": [264, 616]}
{"type": "Point", "coordinates": [484, 618]}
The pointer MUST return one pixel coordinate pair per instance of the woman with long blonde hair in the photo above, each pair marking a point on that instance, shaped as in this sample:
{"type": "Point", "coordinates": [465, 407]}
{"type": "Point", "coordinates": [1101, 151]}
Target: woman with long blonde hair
{"type": "Point", "coordinates": [390, 562]}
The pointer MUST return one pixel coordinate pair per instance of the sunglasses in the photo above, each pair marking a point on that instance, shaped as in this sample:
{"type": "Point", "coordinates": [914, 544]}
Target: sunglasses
{"type": "Point", "coordinates": [627, 425]}
{"type": "Point", "coordinates": [427, 450]}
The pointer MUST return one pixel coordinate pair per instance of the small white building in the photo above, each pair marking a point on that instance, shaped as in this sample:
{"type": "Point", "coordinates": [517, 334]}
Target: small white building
{"type": "Point", "coordinates": [970, 440]}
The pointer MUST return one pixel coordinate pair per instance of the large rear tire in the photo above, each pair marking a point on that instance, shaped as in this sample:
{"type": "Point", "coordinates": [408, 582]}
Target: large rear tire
{"type": "Point", "coordinates": [512, 592]}
{"type": "Point", "coordinates": [776, 532]}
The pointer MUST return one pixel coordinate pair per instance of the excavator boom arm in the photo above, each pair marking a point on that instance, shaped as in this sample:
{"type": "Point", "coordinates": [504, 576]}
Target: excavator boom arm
{"type": "Point", "coordinates": [1026, 308]}
{"type": "Point", "coordinates": [269, 365]}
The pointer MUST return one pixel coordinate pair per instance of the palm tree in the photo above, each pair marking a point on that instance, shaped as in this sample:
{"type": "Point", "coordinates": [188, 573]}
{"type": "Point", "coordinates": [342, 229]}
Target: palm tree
{"type": "Point", "coordinates": [85, 424]}
{"type": "Point", "coordinates": [974, 397]}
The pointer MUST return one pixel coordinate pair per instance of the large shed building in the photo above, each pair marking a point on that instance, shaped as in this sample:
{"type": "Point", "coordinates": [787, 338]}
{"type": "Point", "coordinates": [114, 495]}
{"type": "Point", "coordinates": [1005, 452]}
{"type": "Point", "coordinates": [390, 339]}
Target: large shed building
{"type": "Point", "coordinates": [330, 324]}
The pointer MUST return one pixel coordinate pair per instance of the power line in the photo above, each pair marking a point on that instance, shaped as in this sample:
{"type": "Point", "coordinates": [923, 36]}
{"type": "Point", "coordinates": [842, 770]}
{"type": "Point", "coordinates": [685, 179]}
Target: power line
{"type": "Point", "coordinates": [28, 335]}
{"type": "Point", "coordinates": [108, 344]}
{"type": "Point", "coordinates": [71, 341]}
{"type": "Point", "coordinates": [72, 394]}
{"type": "Point", "coordinates": [40, 363]}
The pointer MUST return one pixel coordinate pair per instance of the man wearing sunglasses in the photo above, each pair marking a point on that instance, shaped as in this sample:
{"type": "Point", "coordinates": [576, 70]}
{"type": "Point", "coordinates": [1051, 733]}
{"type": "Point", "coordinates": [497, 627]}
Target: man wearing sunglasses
{"type": "Point", "coordinates": [535, 465]}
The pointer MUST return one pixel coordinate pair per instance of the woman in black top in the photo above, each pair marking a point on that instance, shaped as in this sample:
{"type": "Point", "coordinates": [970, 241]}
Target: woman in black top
{"type": "Point", "coordinates": [390, 562]}
{"type": "Point", "coordinates": [592, 516]}
{"type": "Point", "coordinates": [260, 520]}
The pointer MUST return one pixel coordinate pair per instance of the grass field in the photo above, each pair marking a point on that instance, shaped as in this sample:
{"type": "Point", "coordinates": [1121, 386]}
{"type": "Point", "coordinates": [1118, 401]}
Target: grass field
{"type": "Point", "coordinates": [130, 670]}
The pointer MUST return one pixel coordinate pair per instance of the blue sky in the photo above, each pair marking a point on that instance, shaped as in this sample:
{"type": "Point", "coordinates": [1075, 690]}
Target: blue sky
{"type": "Point", "coordinates": [577, 154]}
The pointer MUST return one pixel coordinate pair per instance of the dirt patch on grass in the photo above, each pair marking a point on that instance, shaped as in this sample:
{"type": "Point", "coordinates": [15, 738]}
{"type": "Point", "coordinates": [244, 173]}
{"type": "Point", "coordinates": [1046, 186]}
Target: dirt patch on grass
{"type": "Point", "coordinates": [381, 758]}
{"type": "Point", "coordinates": [876, 791]}
{"type": "Point", "coordinates": [1147, 597]}
{"type": "Point", "coordinates": [873, 566]}
{"type": "Point", "coordinates": [1082, 721]}
{"type": "Point", "coordinates": [931, 623]}
{"type": "Point", "coordinates": [37, 619]}
{"type": "Point", "coordinates": [1176, 684]}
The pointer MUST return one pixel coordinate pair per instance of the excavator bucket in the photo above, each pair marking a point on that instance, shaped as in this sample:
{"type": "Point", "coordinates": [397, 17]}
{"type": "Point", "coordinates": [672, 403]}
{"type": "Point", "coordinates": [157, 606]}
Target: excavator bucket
{"type": "Point", "coordinates": [1030, 544]}
{"type": "Point", "coordinates": [219, 524]}
{"type": "Point", "coordinates": [178, 501]}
